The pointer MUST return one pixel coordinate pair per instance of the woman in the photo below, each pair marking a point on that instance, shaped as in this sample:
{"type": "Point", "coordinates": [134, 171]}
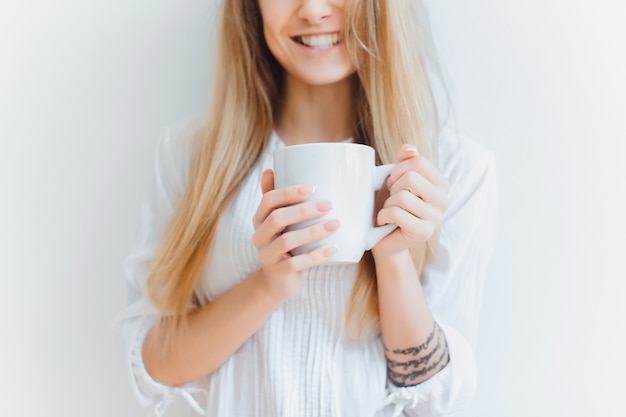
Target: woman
{"type": "Point", "coordinates": [221, 313]}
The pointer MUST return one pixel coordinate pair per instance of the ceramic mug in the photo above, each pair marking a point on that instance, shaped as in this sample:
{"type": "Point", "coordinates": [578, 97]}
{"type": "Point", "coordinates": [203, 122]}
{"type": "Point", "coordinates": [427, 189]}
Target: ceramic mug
{"type": "Point", "coordinates": [345, 174]}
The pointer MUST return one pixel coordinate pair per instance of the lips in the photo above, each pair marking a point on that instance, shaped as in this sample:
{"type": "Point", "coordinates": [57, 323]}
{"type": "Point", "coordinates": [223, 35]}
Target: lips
{"type": "Point", "coordinates": [324, 41]}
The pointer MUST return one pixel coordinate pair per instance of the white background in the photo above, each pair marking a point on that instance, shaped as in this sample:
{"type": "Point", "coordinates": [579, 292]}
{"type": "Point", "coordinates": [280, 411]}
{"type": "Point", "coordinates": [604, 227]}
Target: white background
{"type": "Point", "coordinates": [86, 87]}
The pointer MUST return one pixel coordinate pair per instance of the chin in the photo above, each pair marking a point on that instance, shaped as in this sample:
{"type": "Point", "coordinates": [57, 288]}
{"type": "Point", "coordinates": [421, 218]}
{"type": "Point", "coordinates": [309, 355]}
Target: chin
{"type": "Point", "coordinates": [324, 78]}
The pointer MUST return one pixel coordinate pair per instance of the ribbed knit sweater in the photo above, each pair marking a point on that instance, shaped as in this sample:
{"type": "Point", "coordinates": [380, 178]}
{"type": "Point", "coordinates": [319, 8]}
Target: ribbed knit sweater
{"type": "Point", "coordinates": [301, 362]}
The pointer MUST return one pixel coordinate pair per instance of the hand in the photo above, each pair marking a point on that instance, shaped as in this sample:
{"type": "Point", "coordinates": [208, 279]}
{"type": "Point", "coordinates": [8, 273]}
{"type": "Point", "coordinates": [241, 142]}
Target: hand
{"type": "Point", "coordinates": [280, 271]}
{"type": "Point", "coordinates": [416, 199]}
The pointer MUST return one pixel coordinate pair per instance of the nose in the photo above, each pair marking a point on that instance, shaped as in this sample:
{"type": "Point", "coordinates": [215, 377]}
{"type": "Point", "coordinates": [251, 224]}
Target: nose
{"type": "Point", "coordinates": [314, 11]}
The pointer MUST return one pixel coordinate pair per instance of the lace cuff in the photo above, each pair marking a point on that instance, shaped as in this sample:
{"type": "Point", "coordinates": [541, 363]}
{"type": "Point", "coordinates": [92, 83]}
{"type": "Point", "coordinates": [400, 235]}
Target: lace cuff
{"type": "Point", "coordinates": [450, 389]}
{"type": "Point", "coordinates": [158, 397]}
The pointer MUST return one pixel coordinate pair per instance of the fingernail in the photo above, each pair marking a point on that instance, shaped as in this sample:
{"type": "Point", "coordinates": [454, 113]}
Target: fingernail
{"type": "Point", "coordinates": [324, 206]}
{"type": "Point", "coordinates": [409, 149]}
{"type": "Point", "coordinates": [330, 251]}
{"type": "Point", "coordinates": [332, 225]}
{"type": "Point", "coordinates": [306, 189]}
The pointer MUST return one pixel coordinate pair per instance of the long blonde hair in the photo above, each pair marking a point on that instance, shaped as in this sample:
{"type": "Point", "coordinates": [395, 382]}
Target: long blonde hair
{"type": "Point", "coordinates": [394, 105]}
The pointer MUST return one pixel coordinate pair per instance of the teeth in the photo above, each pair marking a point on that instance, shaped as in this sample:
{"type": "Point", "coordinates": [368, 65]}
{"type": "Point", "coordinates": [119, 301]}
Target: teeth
{"type": "Point", "coordinates": [319, 41]}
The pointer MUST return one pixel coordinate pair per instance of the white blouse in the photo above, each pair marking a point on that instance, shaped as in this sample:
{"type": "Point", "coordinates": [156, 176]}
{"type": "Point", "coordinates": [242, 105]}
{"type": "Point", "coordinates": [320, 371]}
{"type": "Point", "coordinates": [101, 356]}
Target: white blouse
{"type": "Point", "coordinates": [301, 363]}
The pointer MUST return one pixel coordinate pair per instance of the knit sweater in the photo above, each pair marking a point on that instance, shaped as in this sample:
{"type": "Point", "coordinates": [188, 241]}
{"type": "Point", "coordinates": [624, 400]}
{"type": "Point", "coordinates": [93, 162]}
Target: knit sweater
{"type": "Point", "coordinates": [301, 362]}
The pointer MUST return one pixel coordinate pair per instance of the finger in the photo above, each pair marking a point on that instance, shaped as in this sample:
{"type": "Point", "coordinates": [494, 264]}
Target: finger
{"type": "Point", "coordinates": [410, 159]}
{"type": "Point", "coordinates": [310, 259]}
{"type": "Point", "coordinates": [283, 217]}
{"type": "Point", "coordinates": [406, 160]}
{"type": "Point", "coordinates": [282, 197]}
{"type": "Point", "coordinates": [407, 151]}
{"type": "Point", "coordinates": [293, 239]}
{"type": "Point", "coordinates": [431, 172]}
{"type": "Point", "coordinates": [412, 228]}
{"type": "Point", "coordinates": [267, 181]}
{"type": "Point", "coordinates": [418, 185]}
{"type": "Point", "coordinates": [415, 206]}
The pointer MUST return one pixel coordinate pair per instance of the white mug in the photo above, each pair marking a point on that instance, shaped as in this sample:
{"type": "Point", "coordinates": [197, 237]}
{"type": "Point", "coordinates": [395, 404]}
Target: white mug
{"type": "Point", "coordinates": [345, 174]}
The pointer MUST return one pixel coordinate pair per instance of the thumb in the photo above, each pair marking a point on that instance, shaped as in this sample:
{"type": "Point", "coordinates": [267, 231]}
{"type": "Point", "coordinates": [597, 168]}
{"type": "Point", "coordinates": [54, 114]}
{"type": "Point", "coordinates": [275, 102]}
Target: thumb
{"type": "Point", "coordinates": [267, 181]}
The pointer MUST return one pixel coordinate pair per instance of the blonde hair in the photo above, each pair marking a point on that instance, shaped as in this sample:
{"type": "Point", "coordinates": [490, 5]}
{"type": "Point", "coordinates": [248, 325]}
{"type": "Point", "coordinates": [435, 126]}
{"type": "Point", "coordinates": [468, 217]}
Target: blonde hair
{"type": "Point", "coordinates": [394, 104]}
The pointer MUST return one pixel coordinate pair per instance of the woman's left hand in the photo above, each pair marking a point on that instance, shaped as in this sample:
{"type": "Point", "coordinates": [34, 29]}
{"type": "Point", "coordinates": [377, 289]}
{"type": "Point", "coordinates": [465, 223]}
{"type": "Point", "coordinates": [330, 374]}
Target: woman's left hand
{"type": "Point", "coordinates": [416, 199]}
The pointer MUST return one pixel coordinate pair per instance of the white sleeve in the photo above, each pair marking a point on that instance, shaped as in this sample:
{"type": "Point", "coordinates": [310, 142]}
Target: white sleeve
{"type": "Point", "coordinates": [453, 281]}
{"type": "Point", "coordinates": [134, 322]}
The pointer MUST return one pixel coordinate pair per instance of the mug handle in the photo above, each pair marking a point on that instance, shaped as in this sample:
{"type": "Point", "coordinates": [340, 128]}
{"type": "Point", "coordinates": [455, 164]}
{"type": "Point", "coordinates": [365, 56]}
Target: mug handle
{"type": "Point", "coordinates": [376, 233]}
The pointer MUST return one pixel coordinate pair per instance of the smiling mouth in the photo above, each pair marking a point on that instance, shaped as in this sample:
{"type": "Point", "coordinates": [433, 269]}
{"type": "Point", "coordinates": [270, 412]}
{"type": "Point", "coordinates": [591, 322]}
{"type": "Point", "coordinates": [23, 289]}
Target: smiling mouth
{"type": "Point", "coordinates": [318, 41]}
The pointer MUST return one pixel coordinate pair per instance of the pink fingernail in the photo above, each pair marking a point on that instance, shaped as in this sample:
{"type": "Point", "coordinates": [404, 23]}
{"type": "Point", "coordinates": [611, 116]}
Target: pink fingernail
{"type": "Point", "coordinates": [330, 251]}
{"type": "Point", "coordinates": [324, 206]}
{"type": "Point", "coordinates": [409, 148]}
{"type": "Point", "coordinates": [332, 225]}
{"type": "Point", "coordinates": [306, 189]}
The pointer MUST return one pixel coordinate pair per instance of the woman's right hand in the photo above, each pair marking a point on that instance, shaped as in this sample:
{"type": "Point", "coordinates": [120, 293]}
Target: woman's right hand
{"type": "Point", "coordinates": [280, 271]}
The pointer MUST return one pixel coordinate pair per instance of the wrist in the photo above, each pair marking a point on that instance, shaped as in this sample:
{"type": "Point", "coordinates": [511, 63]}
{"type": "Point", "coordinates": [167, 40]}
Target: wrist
{"type": "Point", "coordinates": [265, 291]}
{"type": "Point", "coordinates": [397, 269]}
{"type": "Point", "coordinates": [393, 261]}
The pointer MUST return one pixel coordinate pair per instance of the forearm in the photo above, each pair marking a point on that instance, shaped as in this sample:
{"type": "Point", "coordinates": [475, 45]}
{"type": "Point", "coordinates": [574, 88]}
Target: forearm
{"type": "Point", "coordinates": [215, 331]}
{"type": "Point", "coordinates": [416, 349]}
